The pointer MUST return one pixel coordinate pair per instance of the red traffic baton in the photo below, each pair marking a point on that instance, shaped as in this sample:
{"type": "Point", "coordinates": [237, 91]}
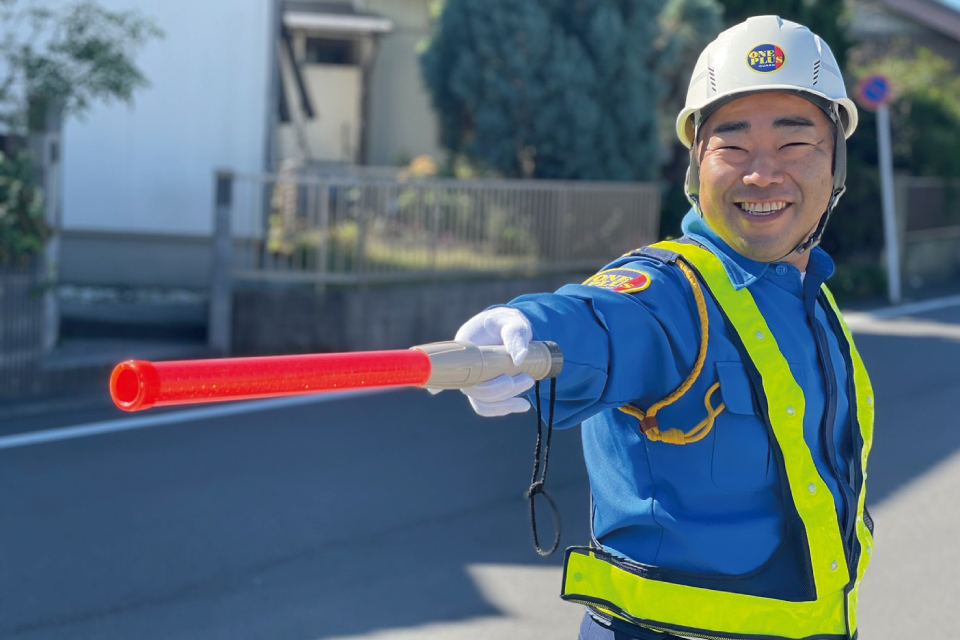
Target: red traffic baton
{"type": "Point", "coordinates": [136, 385]}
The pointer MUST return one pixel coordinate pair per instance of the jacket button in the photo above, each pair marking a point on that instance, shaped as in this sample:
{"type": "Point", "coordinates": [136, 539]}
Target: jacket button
{"type": "Point", "coordinates": [812, 488]}
{"type": "Point", "coordinates": [834, 566]}
{"type": "Point", "coordinates": [869, 550]}
{"type": "Point", "coordinates": [870, 400]}
{"type": "Point", "coordinates": [759, 335]}
{"type": "Point", "coordinates": [791, 411]}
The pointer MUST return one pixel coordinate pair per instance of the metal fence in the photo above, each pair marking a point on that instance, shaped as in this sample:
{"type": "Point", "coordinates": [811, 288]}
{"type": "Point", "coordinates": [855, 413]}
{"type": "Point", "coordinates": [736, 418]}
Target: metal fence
{"type": "Point", "coordinates": [21, 328]}
{"type": "Point", "coordinates": [369, 229]}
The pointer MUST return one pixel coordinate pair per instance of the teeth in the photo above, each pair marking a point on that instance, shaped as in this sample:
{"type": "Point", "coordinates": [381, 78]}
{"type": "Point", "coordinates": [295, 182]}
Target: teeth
{"type": "Point", "coordinates": [762, 208]}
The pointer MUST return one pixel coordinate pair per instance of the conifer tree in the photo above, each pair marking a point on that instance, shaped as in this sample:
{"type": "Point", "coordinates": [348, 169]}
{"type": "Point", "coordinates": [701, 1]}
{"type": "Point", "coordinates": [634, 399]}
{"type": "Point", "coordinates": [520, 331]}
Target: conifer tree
{"type": "Point", "coordinates": [561, 89]}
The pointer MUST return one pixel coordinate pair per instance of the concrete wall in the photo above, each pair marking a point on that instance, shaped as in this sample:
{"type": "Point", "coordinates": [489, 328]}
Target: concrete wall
{"type": "Point", "coordinates": [136, 260]}
{"type": "Point", "coordinates": [149, 167]}
{"type": "Point", "coordinates": [276, 321]}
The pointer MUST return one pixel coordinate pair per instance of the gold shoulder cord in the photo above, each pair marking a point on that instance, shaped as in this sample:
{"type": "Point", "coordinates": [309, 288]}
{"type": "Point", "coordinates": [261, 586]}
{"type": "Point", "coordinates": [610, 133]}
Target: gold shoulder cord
{"type": "Point", "coordinates": [648, 420]}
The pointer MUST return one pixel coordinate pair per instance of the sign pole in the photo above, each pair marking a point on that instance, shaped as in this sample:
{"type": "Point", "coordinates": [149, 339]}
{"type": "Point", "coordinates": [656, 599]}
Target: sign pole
{"type": "Point", "coordinates": [889, 213]}
{"type": "Point", "coordinates": [875, 94]}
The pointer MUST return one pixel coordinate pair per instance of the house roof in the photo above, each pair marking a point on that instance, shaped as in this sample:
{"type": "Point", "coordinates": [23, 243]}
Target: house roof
{"type": "Point", "coordinates": [932, 14]}
{"type": "Point", "coordinates": [332, 17]}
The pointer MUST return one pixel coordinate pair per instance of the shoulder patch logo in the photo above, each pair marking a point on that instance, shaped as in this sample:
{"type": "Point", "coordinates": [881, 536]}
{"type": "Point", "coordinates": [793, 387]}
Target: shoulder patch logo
{"type": "Point", "coordinates": [620, 280]}
{"type": "Point", "coordinates": [766, 58]}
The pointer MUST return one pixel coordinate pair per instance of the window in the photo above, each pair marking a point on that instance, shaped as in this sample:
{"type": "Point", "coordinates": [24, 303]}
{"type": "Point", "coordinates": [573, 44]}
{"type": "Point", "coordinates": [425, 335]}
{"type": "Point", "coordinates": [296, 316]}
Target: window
{"type": "Point", "coordinates": [328, 51]}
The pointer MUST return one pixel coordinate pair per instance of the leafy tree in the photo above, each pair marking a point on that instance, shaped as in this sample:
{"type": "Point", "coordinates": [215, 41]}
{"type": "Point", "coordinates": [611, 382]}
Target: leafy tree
{"type": "Point", "coordinates": [73, 57]}
{"type": "Point", "coordinates": [562, 89]}
{"type": "Point", "coordinates": [66, 59]}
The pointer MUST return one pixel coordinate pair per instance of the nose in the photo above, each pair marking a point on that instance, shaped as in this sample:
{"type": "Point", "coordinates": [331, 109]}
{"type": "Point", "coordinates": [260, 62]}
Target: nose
{"type": "Point", "coordinates": [763, 171]}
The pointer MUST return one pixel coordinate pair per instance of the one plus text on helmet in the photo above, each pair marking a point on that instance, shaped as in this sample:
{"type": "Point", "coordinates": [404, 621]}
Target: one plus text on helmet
{"type": "Point", "coordinates": [766, 58]}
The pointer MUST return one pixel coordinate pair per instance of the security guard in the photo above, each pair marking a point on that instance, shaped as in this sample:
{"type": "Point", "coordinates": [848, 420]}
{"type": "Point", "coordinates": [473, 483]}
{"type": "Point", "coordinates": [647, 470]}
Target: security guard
{"type": "Point", "coordinates": [726, 414]}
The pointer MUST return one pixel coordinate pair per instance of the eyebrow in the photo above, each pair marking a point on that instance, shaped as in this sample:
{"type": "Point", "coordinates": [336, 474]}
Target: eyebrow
{"type": "Point", "coordinates": [779, 123]}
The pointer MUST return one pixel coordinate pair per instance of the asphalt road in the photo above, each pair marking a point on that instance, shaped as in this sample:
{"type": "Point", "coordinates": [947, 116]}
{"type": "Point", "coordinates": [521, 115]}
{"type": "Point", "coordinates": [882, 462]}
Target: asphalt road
{"type": "Point", "coordinates": [399, 515]}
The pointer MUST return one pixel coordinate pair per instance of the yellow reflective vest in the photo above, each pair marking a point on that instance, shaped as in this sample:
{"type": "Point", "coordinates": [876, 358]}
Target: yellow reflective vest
{"type": "Point", "coordinates": [641, 595]}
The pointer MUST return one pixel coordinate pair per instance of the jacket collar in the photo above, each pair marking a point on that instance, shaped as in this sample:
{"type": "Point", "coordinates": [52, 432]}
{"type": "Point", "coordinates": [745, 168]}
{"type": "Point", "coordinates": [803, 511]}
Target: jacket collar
{"type": "Point", "coordinates": [741, 270]}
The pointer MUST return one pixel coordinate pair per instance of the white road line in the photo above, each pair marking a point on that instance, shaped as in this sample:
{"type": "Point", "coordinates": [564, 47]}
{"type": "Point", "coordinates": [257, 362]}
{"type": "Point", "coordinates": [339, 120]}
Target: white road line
{"type": "Point", "coordinates": [860, 320]}
{"type": "Point", "coordinates": [914, 307]}
{"type": "Point", "coordinates": [129, 424]}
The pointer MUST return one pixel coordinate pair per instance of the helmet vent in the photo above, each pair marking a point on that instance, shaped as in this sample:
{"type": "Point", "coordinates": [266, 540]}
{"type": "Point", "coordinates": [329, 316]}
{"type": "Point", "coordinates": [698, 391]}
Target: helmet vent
{"type": "Point", "coordinates": [713, 79]}
{"type": "Point", "coordinates": [816, 72]}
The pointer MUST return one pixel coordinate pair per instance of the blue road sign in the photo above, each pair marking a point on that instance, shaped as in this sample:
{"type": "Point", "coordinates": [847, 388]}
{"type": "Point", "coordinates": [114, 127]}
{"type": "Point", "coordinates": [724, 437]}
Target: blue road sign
{"type": "Point", "coordinates": [874, 92]}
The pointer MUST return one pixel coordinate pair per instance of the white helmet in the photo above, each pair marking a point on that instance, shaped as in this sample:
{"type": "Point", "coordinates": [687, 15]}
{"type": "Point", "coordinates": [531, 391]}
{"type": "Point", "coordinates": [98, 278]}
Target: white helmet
{"type": "Point", "coordinates": [767, 53]}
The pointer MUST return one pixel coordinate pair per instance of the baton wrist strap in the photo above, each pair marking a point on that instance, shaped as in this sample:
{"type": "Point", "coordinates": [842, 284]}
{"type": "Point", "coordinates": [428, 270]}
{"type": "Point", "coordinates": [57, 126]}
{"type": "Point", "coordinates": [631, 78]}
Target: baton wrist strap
{"type": "Point", "coordinates": [537, 485]}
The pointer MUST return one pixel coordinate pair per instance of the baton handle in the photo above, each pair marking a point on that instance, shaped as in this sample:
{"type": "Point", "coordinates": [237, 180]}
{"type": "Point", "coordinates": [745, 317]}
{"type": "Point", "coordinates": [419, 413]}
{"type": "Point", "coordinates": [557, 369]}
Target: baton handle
{"type": "Point", "coordinates": [461, 364]}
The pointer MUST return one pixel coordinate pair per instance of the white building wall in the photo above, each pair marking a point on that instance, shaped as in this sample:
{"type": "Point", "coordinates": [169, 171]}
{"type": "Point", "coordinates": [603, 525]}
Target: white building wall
{"type": "Point", "coordinates": [333, 135]}
{"type": "Point", "coordinates": [149, 167]}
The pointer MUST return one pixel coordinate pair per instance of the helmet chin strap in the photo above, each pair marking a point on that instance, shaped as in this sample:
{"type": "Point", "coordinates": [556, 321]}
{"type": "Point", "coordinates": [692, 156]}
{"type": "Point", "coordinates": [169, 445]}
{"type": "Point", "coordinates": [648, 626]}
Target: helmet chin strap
{"type": "Point", "coordinates": [691, 186]}
{"type": "Point", "coordinates": [692, 183]}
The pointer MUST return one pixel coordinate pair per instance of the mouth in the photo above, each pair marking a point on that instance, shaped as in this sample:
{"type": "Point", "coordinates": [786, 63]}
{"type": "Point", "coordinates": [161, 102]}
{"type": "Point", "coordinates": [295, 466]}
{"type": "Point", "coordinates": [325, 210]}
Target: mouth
{"type": "Point", "coordinates": [763, 209]}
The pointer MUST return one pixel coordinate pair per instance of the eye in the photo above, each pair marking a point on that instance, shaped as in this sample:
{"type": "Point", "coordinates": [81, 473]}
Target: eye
{"type": "Point", "coordinates": [796, 145]}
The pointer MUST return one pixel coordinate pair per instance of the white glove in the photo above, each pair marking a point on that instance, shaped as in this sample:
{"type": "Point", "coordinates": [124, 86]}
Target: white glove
{"type": "Point", "coordinates": [499, 326]}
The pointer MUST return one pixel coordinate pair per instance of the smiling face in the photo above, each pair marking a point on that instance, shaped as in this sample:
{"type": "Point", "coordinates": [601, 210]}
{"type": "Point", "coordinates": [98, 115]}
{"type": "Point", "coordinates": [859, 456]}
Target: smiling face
{"type": "Point", "coordinates": [765, 174]}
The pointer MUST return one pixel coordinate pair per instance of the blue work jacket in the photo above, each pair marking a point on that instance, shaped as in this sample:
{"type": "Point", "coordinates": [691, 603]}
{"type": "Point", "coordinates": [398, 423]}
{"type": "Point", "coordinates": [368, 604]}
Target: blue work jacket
{"type": "Point", "coordinates": [712, 507]}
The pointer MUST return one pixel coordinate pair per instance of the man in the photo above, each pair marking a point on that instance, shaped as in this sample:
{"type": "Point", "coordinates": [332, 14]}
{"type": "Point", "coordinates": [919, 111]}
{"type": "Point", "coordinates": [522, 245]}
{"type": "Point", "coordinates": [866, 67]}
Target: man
{"type": "Point", "coordinates": [727, 416]}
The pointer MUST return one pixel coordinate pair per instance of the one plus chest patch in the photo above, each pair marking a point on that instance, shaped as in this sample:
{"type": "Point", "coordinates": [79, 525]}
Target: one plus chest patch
{"type": "Point", "coordinates": [620, 280]}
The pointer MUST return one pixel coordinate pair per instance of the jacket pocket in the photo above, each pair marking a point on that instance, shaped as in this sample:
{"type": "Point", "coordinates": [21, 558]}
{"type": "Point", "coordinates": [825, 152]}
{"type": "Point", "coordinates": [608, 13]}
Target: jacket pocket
{"type": "Point", "coordinates": [741, 446]}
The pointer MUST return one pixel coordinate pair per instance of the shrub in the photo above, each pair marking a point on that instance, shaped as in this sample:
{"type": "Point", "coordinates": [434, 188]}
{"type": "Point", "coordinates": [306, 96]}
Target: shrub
{"type": "Point", "coordinates": [23, 229]}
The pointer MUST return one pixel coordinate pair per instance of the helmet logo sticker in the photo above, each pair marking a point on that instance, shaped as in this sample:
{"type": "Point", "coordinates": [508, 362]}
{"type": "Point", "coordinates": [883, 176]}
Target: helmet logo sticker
{"type": "Point", "coordinates": [766, 58]}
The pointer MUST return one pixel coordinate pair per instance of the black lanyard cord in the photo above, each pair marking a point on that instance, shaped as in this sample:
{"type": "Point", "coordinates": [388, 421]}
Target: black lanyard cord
{"type": "Point", "coordinates": [540, 479]}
